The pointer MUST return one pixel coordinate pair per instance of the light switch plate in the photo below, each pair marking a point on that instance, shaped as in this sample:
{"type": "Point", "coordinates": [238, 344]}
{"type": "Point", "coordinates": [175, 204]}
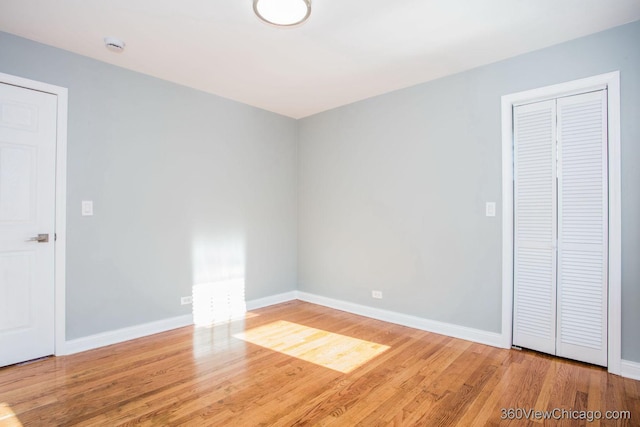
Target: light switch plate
{"type": "Point", "coordinates": [491, 209]}
{"type": "Point", "coordinates": [87, 208]}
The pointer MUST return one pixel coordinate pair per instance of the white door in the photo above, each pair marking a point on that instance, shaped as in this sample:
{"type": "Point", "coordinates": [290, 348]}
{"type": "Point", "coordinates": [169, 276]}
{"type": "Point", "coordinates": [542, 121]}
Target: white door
{"type": "Point", "coordinates": [561, 227]}
{"type": "Point", "coordinates": [534, 319]}
{"type": "Point", "coordinates": [27, 218]}
{"type": "Point", "coordinates": [582, 227]}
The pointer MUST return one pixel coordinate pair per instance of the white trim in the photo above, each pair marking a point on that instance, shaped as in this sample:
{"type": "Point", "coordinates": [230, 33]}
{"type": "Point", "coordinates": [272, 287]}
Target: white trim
{"type": "Point", "coordinates": [449, 329]}
{"type": "Point", "coordinates": [61, 199]}
{"type": "Point", "coordinates": [138, 331]}
{"type": "Point", "coordinates": [126, 334]}
{"type": "Point", "coordinates": [561, 90]}
{"type": "Point", "coordinates": [612, 82]}
{"type": "Point", "coordinates": [615, 227]}
{"type": "Point", "coordinates": [630, 369]}
{"type": "Point", "coordinates": [271, 300]}
{"type": "Point", "coordinates": [507, 222]}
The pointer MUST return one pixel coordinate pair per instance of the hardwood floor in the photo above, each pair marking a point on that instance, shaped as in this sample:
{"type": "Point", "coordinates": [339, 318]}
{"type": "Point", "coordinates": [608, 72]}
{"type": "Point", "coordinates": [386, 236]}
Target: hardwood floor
{"type": "Point", "coordinates": [313, 366]}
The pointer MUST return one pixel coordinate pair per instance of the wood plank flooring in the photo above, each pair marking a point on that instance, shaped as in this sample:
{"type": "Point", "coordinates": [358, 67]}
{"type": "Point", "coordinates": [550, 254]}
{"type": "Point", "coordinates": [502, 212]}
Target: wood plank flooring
{"type": "Point", "coordinates": [313, 366]}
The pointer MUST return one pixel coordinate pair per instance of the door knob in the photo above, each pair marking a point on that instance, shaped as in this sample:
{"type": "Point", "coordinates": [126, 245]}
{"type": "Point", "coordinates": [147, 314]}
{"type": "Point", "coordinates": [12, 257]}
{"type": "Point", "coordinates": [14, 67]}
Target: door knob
{"type": "Point", "coordinates": [40, 238]}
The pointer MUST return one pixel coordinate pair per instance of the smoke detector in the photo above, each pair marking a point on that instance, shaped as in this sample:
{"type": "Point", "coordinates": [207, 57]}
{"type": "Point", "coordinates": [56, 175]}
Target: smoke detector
{"type": "Point", "coordinates": [114, 44]}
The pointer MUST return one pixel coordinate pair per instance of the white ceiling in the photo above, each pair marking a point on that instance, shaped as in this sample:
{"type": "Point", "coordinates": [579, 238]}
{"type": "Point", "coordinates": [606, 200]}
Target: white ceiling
{"type": "Point", "coordinates": [348, 50]}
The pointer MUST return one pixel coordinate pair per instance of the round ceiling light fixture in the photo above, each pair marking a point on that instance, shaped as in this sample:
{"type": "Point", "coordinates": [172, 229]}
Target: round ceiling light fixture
{"type": "Point", "coordinates": [282, 13]}
{"type": "Point", "coordinates": [114, 44]}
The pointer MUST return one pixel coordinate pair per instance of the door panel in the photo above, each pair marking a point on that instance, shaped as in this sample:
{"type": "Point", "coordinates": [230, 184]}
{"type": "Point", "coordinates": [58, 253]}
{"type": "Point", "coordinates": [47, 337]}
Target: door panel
{"type": "Point", "coordinates": [17, 183]}
{"type": "Point", "coordinates": [27, 208]}
{"type": "Point", "coordinates": [16, 269]}
{"type": "Point", "coordinates": [535, 227]}
{"type": "Point", "coordinates": [582, 227]}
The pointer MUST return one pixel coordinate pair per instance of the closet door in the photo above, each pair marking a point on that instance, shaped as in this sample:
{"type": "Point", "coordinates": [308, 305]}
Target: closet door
{"type": "Point", "coordinates": [582, 227]}
{"type": "Point", "coordinates": [535, 226]}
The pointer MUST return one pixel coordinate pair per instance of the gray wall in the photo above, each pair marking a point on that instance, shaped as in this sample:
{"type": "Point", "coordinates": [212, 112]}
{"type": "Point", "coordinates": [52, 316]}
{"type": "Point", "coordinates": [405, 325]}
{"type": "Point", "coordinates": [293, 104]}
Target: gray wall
{"type": "Point", "coordinates": [392, 189]}
{"type": "Point", "coordinates": [187, 188]}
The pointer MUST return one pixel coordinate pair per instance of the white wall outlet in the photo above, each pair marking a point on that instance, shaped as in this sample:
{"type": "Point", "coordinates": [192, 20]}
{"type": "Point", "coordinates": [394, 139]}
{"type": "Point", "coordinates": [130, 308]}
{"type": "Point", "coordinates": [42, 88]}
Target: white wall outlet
{"type": "Point", "coordinates": [376, 294]}
{"type": "Point", "coordinates": [491, 208]}
{"type": "Point", "coordinates": [186, 300]}
{"type": "Point", "coordinates": [87, 208]}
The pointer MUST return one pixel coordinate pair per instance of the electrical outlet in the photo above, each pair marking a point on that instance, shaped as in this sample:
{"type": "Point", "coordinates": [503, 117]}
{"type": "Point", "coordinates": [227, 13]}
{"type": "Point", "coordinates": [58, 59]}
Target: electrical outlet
{"type": "Point", "coordinates": [490, 209]}
{"type": "Point", "coordinates": [186, 300]}
{"type": "Point", "coordinates": [87, 207]}
{"type": "Point", "coordinates": [376, 294]}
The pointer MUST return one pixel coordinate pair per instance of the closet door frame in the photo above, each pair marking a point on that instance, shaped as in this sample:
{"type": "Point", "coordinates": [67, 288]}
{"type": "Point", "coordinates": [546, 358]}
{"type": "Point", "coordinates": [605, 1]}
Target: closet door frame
{"type": "Point", "coordinates": [610, 81]}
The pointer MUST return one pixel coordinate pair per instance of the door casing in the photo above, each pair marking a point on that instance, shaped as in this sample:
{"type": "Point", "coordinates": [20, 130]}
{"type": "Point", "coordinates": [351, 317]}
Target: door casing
{"type": "Point", "coordinates": [60, 200]}
{"type": "Point", "coordinates": [612, 82]}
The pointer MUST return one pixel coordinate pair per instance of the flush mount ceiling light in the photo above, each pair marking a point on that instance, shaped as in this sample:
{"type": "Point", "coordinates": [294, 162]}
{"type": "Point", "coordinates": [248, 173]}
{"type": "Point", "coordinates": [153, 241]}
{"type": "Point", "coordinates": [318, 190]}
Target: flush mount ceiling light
{"type": "Point", "coordinates": [282, 13]}
{"type": "Point", "coordinates": [114, 44]}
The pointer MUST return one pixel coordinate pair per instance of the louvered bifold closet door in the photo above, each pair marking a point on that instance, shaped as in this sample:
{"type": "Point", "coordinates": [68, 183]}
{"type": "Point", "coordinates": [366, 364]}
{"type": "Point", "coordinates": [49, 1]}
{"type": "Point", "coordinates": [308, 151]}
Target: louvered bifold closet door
{"type": "Point", "coordinates": [582, 228]}
{"type": "Point", "coordinates": [535, 218]}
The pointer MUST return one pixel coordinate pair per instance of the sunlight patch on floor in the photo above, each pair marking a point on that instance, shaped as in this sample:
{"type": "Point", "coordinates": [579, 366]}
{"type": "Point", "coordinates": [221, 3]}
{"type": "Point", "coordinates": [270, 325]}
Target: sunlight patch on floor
{"type": "Point", "coordinates": [7, 417]}
{"type": "Point", "coordinates": [334, 351]}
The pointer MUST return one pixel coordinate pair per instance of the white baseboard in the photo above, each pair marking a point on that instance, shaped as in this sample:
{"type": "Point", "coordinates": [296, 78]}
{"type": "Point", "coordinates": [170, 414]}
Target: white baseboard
{"type": "Point", "coordinates": [126, 334]}
{"type": "Point", "coordinates": [630, 369]}
{"type": "Point", "coordinates": [271, 300]}
{"type": "Point", "coordinates": [470, 334]}
{"type": "Point", "coordinates": [139, 331]}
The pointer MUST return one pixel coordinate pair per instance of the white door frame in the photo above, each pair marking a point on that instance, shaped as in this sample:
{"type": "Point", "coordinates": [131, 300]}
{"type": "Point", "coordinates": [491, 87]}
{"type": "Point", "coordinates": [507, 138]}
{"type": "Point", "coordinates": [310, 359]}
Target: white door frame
{"type": "Point", "coordinates": [612, 82]}
{"type": "Point", "coordinates": [61, 200]}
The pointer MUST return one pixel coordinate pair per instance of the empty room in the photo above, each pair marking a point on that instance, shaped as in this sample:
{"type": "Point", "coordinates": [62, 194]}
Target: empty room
{"type": "Point", "coordinates": [319, 212]}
